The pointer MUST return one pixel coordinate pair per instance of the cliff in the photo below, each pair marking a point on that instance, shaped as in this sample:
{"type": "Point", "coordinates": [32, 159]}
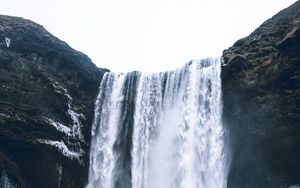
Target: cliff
{"type": "Point", "coordinates": [261, 93]}
{"type": "Point", "coordinates": [47, 96]}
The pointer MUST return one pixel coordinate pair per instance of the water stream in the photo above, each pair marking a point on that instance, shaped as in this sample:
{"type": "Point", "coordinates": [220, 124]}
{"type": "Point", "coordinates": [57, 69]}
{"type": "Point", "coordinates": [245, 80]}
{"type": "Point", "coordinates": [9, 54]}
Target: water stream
{"type": "Point", "coordinates": [159, 130]}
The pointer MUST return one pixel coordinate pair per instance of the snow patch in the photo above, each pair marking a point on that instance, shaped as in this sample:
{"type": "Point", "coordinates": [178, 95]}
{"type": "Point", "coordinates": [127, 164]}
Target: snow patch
{"type": "Point", "coordinates": [5, 181]}
{"type": "Point", "coordinates": [59, 89]}
{"type": "Point", "coordinates": [62, 147]}
{"type": "Point", "coordinates": [7, 42]}
{"type": "Point", "coordinates": [59, 126]}
{"type": "Point", "coordinates": [60, 171]}
{"type": "Point", "coordinates": [76, 127]}
{"type": "Point", "coordinates": [73, 133]}
{"type": "Point", "coordinates": [4, 115]}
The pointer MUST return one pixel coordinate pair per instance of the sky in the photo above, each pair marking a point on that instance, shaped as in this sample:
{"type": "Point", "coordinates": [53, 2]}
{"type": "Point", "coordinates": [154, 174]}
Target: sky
{"type": "Point", "coordinates": [147, 35]}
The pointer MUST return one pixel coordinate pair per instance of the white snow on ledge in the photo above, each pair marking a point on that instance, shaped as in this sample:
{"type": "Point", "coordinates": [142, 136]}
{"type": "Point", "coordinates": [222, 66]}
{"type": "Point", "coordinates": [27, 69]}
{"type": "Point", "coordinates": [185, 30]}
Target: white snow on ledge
{"type": "Point", "coordinates": [76, 127]}
{"type": "Point", "coordinates": [7, 42]}
{"type": "Point", "coordinates": [73, 131]}
{"type": "Point", "coordinates": [62, 147]}
{"type": "Point", "coordinates": [5, 115]}
{"type": "Point", "coordinates": [59, 126]}
{"type": "Point", "coordinates": [5, 181]}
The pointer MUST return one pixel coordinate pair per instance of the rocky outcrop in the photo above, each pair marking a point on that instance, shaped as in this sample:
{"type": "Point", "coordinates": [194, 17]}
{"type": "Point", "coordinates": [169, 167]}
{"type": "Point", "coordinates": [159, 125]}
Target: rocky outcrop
{"type": "Point", "coordinates": [47, 94]}
{"type": "Point", "coordinates": [261, 93]}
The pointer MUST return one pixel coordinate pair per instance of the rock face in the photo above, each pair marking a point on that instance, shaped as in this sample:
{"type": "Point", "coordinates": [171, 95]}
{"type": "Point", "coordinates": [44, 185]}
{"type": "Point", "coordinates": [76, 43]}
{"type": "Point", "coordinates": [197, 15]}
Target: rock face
{"type": "Point", "coordinates": [47, 94]}
{"type": "Point", "coordinates": [261, 88]}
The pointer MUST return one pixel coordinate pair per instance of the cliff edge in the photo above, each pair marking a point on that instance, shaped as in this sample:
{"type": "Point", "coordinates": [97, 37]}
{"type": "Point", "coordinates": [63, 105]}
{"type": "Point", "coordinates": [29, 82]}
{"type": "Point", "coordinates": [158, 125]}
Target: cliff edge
{"type": "Point", "coordinates": [261, 93]}
{"type": "Point", "coordinates": [47, 96]}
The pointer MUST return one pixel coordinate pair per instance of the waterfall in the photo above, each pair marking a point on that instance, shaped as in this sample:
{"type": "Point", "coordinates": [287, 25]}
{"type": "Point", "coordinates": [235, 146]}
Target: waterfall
{"type": "Point", "coordinates": [159, 130]}
{"type": "Point", "coordinates": [5, 181]}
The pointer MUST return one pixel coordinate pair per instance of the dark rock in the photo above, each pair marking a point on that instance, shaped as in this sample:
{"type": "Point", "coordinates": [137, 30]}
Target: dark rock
{"type": "Point", "coordinates": [43, 82]}
{"type": "Point", "coordinates": [261, 93]}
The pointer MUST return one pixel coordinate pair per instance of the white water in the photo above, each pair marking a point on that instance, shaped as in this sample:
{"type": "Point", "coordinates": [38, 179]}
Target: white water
{"type": "Point", "coordinates": [177, 140]}
{"type": "Point", "coordinates": [103, 140]}
{"type": "Point", "coordinates": [5, 181]}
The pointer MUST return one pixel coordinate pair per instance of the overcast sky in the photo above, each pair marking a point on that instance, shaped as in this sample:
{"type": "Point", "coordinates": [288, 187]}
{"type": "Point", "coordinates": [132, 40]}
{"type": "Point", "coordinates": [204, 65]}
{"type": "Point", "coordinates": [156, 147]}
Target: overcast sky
{"type": "Point", "coordinates": [152, 35]}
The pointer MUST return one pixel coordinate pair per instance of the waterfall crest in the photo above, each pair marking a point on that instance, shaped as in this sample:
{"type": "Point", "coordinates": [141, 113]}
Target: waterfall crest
{"type": "Point", "coordinates": [159, 129]}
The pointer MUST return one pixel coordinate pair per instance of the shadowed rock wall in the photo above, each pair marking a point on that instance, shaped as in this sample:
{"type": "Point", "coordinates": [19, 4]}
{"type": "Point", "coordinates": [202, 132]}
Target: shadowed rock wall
{"type": "Point", "coordinates": [47, 94]}
{"type": "Point", "coordinates": [261, 90]}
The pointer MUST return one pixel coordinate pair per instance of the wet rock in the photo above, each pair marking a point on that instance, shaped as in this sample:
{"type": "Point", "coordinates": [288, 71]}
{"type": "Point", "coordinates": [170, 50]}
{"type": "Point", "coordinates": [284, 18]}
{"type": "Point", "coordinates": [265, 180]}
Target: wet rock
{"type": "Point", "coordinates": [47, 94]}
{"type": "Point", "coordinates": [261, 93]}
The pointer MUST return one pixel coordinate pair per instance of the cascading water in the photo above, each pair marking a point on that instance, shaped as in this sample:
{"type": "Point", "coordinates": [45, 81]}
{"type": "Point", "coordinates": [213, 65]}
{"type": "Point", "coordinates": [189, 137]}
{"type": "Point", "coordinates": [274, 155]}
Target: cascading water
{"type": "Point", "coordinates": [5, 181]}
{"type": "Point", "coordinates": [159, 130]}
